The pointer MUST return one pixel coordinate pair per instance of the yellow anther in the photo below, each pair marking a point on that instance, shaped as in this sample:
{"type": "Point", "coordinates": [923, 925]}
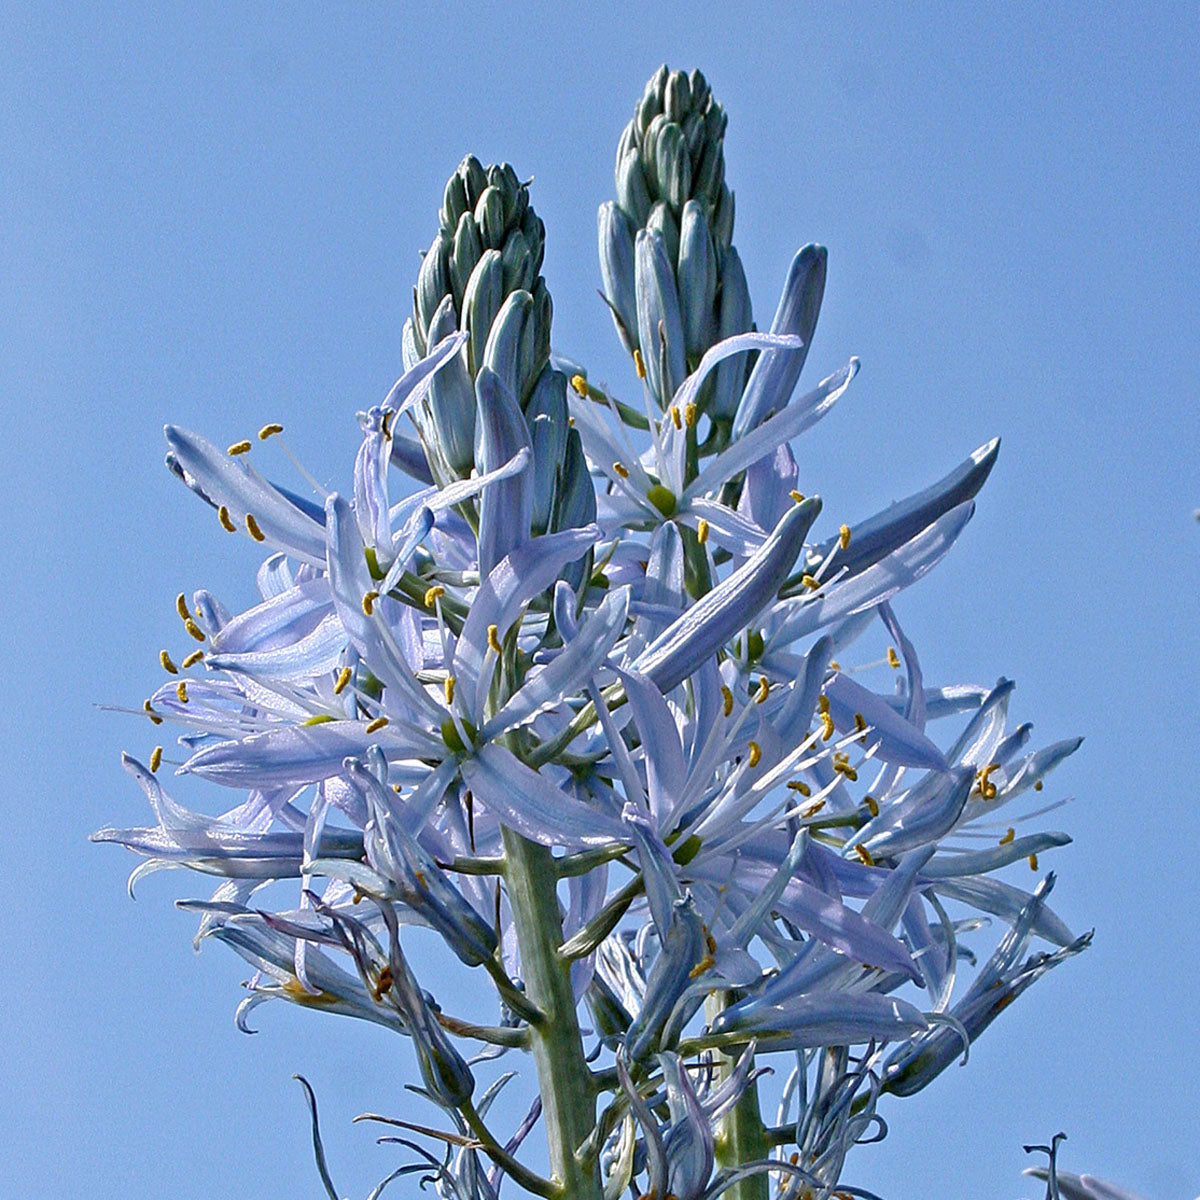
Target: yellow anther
{"type": "Point", "coordinates": [703, 965]}
{"type": "Point", "coordinates": [809, 582]}
{"type": "Point", "coordinates": [192, 659]}
{"type": "Point", "coordinates": [267, 430]}
{"type": "Point", "coordinates": [844, 537]}
{"type": "Point", "coordinates": [253, 530]}
{"type": "Point", "coordinates": [893, 658]}
{"type": "Point", "coordinates": [872, 805]}
{"type": "Point", "coordinates": [320, 719]}
{"type": "Point", "coordinates": [764, 690]}
{"type": "Point", "coordinates": [827, 730]}
{"type": "Point", "coordinates": [860, 723]}
{"type": "Point", "coordinates": [689, 415]}
{"type": "Point", "coordinates": [580, 385]}
{"type": "Point", "coordinates": [676, 419]}
{"type": "Point", "coordinates": [1008, 837]}
{"type": "Point", "coordinates": [155, 758]}
{"type": "Point", "coordinates": [571, 422]}
{"type": "Point", "coordinates": [864, 855]}
{"type": "Point", "coordinates": [811, 810]}
{"type": "Point", "coordinates": [710, 942]}
{"type": "Point", "coordinates": [834, 665]}
{"type": "Point", "coordinates": [226, 520]}
{"type": "Point", "coordinates": [726, 699]}
{"type": "Point", "coordinates": [148, 709]}
{"type": "Point", "coordinates": [377, 724]}
{"type": "Point", "coordinates": [343, 678]}
{"type": "Point", "coordinates": [844, 768]}
{"type": "Point", "coordinates": [702, 531]}
{"type": "Point", "coordinates": [797, 496]}
{"type": "Point", "coordinates": [448, 688]}
{"type": "Point", "coordinates": [396, 788]}
{"type": "Point", "coordinates": [368, 603]}
{"type": "Point", "coordinates": [798, 785]}
{"type": "Point", "coordinates": [181, 691]}
{"type": "Point", "coordinates": [432, 594]}
{"type": "Point", "coordinates": [181, 607]}
{"type": "Point", "coordinates": [1037, 787]}
{"type": "Point", "coordinates": [639, 363]}
{"type": "Point", "coordinates": [1033, 862]}
{"type": "Point", "coordinates": [620, 470]}
{"type": "Point", "coordinates": [493, 638]}
{"type": "Point", "coordinates": [755, 754]}
{"type": "Point", "coordinates": [194, 629]}
{"type": "Point", "coordinates": [167, 664]}
{"type": "Point", "coordinates": [822, 704]}
{"type": "Point", "coordinates": [987, 789]}
{"type": "Point", "coordinates": [239, 448]}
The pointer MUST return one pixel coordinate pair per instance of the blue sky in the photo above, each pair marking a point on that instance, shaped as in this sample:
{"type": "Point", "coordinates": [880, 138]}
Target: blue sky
{"type": "Point", "coordinates": [212, 215]}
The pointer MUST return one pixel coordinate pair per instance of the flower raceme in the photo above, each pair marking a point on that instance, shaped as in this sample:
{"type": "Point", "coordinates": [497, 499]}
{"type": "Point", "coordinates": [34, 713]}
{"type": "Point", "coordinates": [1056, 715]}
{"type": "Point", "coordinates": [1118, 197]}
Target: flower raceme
{"type": "Point", "coordinates": [576, 684]}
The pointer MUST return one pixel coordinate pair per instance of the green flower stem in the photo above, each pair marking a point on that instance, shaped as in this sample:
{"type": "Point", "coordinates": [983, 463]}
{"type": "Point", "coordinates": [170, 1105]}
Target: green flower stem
{"type": "Point", "coordinates": [741, 1136]}
{"type": "Point", "coordinates": [565, 1082]}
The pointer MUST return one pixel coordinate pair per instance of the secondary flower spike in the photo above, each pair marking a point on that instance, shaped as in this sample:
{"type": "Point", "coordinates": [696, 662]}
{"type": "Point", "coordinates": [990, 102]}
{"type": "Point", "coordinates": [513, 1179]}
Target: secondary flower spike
{"type": "Point", "coordinates": [585, 682]}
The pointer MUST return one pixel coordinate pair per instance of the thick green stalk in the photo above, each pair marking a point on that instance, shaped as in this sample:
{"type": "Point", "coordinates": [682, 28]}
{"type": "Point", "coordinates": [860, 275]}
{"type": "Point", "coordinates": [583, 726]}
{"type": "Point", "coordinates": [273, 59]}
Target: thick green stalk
{"type": "Point", "coordinates": [741, 1136]}
{"type": "Point", "coordinates": [568, 1096]}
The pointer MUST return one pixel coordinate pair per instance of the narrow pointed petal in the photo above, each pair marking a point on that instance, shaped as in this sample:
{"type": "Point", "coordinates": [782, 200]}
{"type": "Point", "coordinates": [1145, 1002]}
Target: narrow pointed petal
{"type": "Point", "coordinates": [718, 615]}
{"type": "Point", "coordinates": [774, 376]}
{"type": "Point", "coordinates": [877, 583]}
{"type": "Point", "coordinates": [527, 801]}
{"type": "Point", "coordinates": [772, 433]}
{"type": "Point", "coordinates": [897, 741]}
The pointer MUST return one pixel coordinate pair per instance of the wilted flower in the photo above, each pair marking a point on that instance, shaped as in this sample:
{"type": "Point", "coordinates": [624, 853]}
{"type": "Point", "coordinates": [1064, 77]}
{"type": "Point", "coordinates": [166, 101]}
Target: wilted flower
{"type": "Point", "coordinates": [573, 704]}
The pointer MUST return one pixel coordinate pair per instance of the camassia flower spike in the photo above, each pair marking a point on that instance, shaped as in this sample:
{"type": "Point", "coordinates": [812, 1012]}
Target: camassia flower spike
{"type": "Point", "coordinates": [590, 690]}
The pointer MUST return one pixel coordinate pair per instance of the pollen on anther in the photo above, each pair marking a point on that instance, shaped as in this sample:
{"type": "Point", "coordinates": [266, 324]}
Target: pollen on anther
{"type": "Point", "coordinates": [155, 758]}
{"type": "Point", "coordinates": [580, 385]}
{"type": "Point", "coordinates": [827, 729]}
{"type": "Point", "coordinates": [844, 537]}
{"type": "Point", "coordinates": [342, 680]}
{"type": "Point", "coordinates": [181, 607]}
{"type": "Point", "coordinates": [181, 691]}
{"type": "Point", "coordinates": [822, 704]}
{"type": "Point", "coordinates": [689, 415]}
{"type": "Point", "coordinates": [253, 529]}
{"type": "Point", "coordinates": [432, 594]}
{"type": "Point", "coordinates": [726, 699]}
{"type": "Point", "coordinates": [639, 363]}
{"type": "Point", "coordinates": [1037, 787]}
{"type": "Point", "coordinates": [194, 629]}
{"type": "Point", "coordinates": [872, 805]}
{"type": "Point", "coordinates": [368, 603]}
{"type": "Point", "coordinates": [377, 724]}
{"type": "Point", "coordinates": [702, 531]}
{"type": "Point", "coordinates": [798, 497]}
{"type": "Point", "coordinates": [493, 638]}
{"type": "Point", "coordinates": [167, 665]}
{"type": "Point", "coordinates": [192, 659]}
{"type": "Point", "coordinates": [226, 520]}
{"type": "Point", "coordinates": [755, 754]}
{"type": "Point", "coordinates": [148, 709]}
{"type": "Point", "coordinates": [242, 447]}
{"type": "Point", "coordinates": [764, 690]}
{"type": "Point", "coordinates": [1033, 862]}
{"type": "Point", "coordinates": [620, 470]}
{"type": "Point", "coordinates": [864, 855]}
{"type": "Point", "coordinates": [1008, 837]}
{"type": "Point", "coordinates": [798, 785]}
{"type": "Point", "coordinates": [860, 723]}
{"type": "Point", "coordinates": [893, 658]}
{"type": "Point", "coordinates": [267, 430]}
{"type": "Point", "coordinates": [809, 582]}
{"type": "Point", "coordinates": [448, 688]}
{"type": "Point", "coordinates": [676, 419]}
{"type": "Point", "coordinates": [811, 810]}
